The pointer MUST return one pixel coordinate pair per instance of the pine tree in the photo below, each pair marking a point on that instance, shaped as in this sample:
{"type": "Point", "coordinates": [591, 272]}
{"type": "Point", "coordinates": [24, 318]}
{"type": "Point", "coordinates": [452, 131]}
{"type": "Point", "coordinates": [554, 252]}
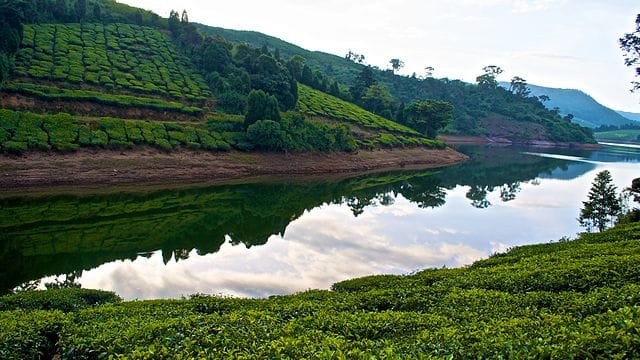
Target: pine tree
{"type": "Point", "coordinates": [603, 205]}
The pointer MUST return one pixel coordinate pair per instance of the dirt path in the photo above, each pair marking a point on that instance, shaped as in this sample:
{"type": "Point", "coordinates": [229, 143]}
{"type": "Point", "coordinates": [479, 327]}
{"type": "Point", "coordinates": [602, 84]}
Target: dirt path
{"type": "Point", "coordinates": [90, 168]}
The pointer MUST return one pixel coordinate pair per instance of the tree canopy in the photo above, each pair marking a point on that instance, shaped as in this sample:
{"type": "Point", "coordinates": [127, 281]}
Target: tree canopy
{"type": "Point", "coordinates": [603, 205]}
{"type": "Point", "coordinates": [630, 44]}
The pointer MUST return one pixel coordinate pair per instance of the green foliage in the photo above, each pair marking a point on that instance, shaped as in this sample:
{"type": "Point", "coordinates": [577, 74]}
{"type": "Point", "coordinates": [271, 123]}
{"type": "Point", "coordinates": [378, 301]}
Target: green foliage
{"type": "Point", "coordinates": [603, 206]}
{"type": "Point", "coordinates": [313, 102]}
{"type": "Point", "coordinates": [576, 299]}
{"type": "Point", "coordinates": [428, 116]}
{"type": "Point", "coordinates": [261, 106]}
{"type": "Point", "coordinates": [69, 299]}
{"type": "Point", "coordinates": [22, 131]}
{"type": "Point", "coordinates": [127, 101]}
{"type": "Point", "coordinates": [123, 57]}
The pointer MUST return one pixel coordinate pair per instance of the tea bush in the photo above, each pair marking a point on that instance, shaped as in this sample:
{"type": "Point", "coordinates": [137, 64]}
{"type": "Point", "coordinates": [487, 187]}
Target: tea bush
{"type": "Point", "coordinates": [575, 299]}
{"type": "Point", "coordinates": [127, 101]}
{"type": "Point", "coordinates": [22, 131]}
{"type": "Point", "coordinates": [124, 57]}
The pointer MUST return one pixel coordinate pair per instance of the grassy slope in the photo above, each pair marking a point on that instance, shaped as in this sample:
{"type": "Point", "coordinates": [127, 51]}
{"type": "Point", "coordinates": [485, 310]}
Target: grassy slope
{"type": "Point", "coordinates": [559, 300]}
{"type": "Point", "coordinates": [619, 135]}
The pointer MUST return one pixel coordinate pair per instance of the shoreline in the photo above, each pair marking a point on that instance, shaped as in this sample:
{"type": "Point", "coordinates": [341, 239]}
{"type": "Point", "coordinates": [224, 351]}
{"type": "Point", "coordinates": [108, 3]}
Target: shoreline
{"type": "Point", "coordinates": [148, 167]}
{"type": "Point", "coordinates": [483, 140]}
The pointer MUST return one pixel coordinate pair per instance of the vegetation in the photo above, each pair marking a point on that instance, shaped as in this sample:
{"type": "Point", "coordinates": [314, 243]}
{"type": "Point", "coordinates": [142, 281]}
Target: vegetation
{"type": "Point", "coordinates": [619, 135]}
{"type": "Point", "coordinates": [126, 101]}
{"type": "Point", "coordinates": [603, 206]}
{"type": "Point", "coordinates": [472, 104]}
{"type": "Point", "coordinates": [115, 56]}
{"type": "Point", "coordinates": [565, 299]}
{"type": "Point", "coordinates": [313, 102]}
{"type": "Point", "coordinates": [22, 131]}
{"type": "Point", "coordinates": [630, 44]}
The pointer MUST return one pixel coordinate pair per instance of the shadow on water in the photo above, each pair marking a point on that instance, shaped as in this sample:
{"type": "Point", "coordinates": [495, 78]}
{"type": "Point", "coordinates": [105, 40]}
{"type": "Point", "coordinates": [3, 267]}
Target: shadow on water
{"type": "Point", "coordinates": [52, 235]}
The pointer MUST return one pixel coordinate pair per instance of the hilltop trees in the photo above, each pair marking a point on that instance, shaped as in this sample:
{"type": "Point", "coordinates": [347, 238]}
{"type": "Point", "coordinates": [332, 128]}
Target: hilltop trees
{"type": "Point", "coordinates": [603, 205]}
{"type": "Point", "coordinates": [519, 87]}
{"type": "Point", "coordinates": [488, 79]}
{"type": "Point", "coordinates": [396, 64]}
{"type": "Point", "coordinates": [630, 44]}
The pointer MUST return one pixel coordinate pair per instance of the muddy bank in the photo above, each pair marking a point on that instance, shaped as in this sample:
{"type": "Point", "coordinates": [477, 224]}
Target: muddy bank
{"type": "Point", "coordinates": [482, 140]}
{"type": "Point", "coordinates": [91, 168]}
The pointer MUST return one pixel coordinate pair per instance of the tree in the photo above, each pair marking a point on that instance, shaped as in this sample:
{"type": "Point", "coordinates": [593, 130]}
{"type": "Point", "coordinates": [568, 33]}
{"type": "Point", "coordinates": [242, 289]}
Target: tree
{"type": "Point", "coordinates": [377, 99]}
{"type": "Point", "coordinates": [396, 64]}
{"type": "Point", "coordinates": [428, 72]}
{"type": "Point", "coordinates": [603, 205]}
{"type": "Point", "coordinates": [519, 87]}
{"type": "Point", "coordinates": [81, 9]}
{"type": "Point", "coordinates": [364, 80]}
{"type": "Point", "coordinates": [543, 98]}
{"type": "Point", "coordinates": [630, 44]}
{"type": "Point", "coordinates": [429, 116]}
{"type": "Point", "coordinates": [185, 17]}
{"type": "Point", "coordinates": [174, 22]}
{"type": "Point", "coordinates": [356, 58]}
{"type": "Point", "coordinates": [261, 106]}
{"type": "Point", "coordinates": [488, 79]}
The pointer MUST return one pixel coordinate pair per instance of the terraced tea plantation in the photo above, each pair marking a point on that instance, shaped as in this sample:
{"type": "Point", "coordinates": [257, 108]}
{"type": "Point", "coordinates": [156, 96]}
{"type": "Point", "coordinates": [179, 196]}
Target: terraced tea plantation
{"type": "Point", "coordinates": [22, 131]}
{"type": "Point", "coordinates": [314, 102]}
{"type": "Point", "coordinates": [118, 57]}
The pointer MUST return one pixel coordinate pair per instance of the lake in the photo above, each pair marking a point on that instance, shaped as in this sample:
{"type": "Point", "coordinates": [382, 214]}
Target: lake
{"type": "Point", "coordinates": [257, 240]}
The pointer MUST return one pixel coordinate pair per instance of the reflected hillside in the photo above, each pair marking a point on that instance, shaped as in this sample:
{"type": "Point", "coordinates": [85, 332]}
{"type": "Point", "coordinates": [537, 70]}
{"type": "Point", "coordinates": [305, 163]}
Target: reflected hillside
{"type": "Point", "coordinates": [42, 236]}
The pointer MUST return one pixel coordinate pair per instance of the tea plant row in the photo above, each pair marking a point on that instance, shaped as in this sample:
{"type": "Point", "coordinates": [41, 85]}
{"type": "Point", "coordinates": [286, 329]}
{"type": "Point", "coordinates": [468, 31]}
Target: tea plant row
{"type": "Point", "coordinates": [22, 131]}
{"type": "Point", "coordinates": [50, 93]}
{"type": "Point", "coordinates": [314, 102]}
{"type": "Point", "coordinates": [114, 56]}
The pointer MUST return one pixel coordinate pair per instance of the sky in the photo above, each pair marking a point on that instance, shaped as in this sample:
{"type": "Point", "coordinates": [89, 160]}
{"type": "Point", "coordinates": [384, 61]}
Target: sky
{"type": "Point", "coordinates": [555, 43]}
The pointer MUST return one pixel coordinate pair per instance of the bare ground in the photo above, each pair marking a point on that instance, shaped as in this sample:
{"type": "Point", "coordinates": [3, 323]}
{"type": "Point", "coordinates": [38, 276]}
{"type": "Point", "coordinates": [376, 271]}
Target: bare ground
{"type": "Point", "coordinates": [97, 168]}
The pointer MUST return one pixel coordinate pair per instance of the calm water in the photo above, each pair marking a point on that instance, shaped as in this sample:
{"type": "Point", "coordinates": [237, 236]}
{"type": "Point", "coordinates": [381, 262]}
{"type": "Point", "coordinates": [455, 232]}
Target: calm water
{"type": "Point", "coordinates": [263, 239]}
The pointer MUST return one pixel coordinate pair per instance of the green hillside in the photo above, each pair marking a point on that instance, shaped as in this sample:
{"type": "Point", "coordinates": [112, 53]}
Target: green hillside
{"type": "Point", "coordinates": [569, 299]}
{"type": "Point", "coordinates": [474, 107]}
{"type": "Point", "coordinates": [619, 135]}
{"type": "Point", "coordinates": [586, 111]}
{"type": "Point", "coordinates": [120, 57]}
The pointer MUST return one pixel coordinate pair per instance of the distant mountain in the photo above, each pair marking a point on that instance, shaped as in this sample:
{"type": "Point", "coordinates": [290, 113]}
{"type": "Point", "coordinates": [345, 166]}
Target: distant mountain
{"type": "Point", "coordinates": [586, 110]}
{"type": "Point", "coordinates": [630, 115]}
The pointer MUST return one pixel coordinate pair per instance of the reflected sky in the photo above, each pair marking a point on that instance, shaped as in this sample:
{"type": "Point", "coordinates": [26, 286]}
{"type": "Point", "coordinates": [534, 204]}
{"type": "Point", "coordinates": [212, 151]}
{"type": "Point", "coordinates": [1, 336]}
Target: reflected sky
{"type": "Point", "coordinates": [329, 244]}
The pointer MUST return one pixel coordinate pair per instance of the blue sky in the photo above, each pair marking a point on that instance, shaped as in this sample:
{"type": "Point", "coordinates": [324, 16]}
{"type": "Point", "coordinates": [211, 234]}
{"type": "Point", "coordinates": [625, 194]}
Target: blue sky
{"type": "Point", "coordinates": [556, 43]}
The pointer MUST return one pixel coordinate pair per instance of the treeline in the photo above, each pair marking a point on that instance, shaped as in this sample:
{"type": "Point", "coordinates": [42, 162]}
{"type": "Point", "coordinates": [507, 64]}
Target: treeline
{"type": "Point", "coordinates": [11, 30]}
{"type": "Point", "coordinates": [233, 70]}
{"type": "Point", "coordinates": [604, 128]}
{"type": "Point", "coordinates": [75, 11]}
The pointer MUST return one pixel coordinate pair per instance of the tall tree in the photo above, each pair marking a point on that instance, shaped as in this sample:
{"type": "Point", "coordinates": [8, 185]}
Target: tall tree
{"type": "Point", "coordinates": [261, 106]}
{"type": "Point", "coordinates": [364, 80]}
{"type": "Point", "coordinates": [488, 79]}
{"type": "Point", "coordinates": [429, 116]}
{"type": "Point", "coordinates": [81, 9]}
{"type": "Point", "coordinates": [378, 100]}
{"type": "Point", "coordinates": [519, 87]}
{"type": "Point", "coordinates": [630, 44]}
{"type": "Point", "coordinates": [396, 64]}
{"type": "Point", "coordinates": [603, 205]}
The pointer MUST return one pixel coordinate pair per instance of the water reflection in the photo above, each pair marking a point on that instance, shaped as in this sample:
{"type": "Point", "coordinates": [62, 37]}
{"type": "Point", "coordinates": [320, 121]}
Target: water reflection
{"type": "Point", "coordinates": [334, 229]}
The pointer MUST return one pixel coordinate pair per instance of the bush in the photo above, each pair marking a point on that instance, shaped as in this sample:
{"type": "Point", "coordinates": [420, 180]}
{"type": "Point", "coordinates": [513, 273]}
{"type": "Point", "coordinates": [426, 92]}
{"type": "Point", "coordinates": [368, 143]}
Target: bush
{"type": "Point", "coordinates": [68, 299]}
{"type": "Point", "coordinates": [268, 135]}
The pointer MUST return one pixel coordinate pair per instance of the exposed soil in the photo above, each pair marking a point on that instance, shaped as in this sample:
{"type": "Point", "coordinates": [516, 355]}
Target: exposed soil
{"type": "Point", "coordinates": [95, 168]}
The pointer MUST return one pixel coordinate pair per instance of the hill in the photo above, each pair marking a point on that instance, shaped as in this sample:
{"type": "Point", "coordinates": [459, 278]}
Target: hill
{"type": "Point", "coordinates": [586, 110]}
{"type": "Point", "coordinates": [475, 109]}
{"type": "Point", "coordinates": [630, 116]}
{"type": "Point", "coordinates": [568, 299]}
{"type": "Point", "coordinates": [127, 85]}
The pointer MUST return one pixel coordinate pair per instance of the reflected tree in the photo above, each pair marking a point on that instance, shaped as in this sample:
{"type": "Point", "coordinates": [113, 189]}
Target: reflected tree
{"type": "Point", "coordinates": [478, 196]}
{"type": "Point", "coordinates": [508, 192]}
{"type": "Point", "coordinates": [70, 281]}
